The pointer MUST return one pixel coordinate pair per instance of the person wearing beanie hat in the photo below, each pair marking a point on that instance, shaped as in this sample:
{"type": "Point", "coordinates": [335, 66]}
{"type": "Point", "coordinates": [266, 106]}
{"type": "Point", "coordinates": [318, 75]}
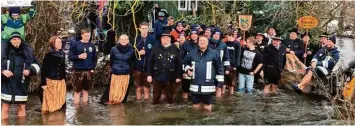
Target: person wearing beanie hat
{"type": "Point", "coordinates": [221, 48]}
{"type": "Point", "coordinates": [202, 28]}
{"type": "Point", "coordinates": [18, 64]}
{"type": "Point", "coordinates": [208, 32]}
{"type": "Point", "coordinates": [295, 50]}
{"type": "Point", "coordinates": [322, 65]}
{"type": "Point", "coordinates": [189, 45]}
{"type": "Point", "coordinates": [164, 66]}
{"type": "Point", "coordinates": [18, 22]}
{"type": "Point", "coordinates": [178, 30]}
{"type": "Point", "coordinates": [180, 41]}
{"type": "Point", "coordinates": [274, 56]}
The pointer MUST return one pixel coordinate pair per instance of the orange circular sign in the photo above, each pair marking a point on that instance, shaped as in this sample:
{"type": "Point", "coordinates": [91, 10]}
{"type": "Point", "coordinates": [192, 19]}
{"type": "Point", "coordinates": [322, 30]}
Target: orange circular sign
{"type": "Point", "coordinates": [307, 22]}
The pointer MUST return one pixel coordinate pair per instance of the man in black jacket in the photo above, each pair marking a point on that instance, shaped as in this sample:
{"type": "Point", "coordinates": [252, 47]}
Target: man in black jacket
{"type": "Point", "coordinates": [274, 62]}
{"type": "Point", "coordinates": [165, 66]}
{"type": "Point", "coordinates": [294, 46]}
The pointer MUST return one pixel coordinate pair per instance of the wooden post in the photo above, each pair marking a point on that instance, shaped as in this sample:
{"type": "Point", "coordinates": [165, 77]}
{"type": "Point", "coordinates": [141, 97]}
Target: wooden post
{"type": "Point", "coordinates": [244, 37]}
{"type": "Point", "coordinates": [305, 48]}
{"type": "Point", "coordinates": [193, 10]}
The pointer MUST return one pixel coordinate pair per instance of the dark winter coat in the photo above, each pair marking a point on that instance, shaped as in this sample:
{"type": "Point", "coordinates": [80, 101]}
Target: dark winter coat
{"type": "Point", "coordinates": [121, 59]}
{"type": "Point", "coordinates": [165, 63]}
{"type": "Point", "coordinates": [221, 49]}
{"type": "Point", "coordinates": [234, 51]}
{"type": "Point", "coordinates": [274, 60]}
{"type": "Point", "coordinates": [15, 88]}
{"type": "Point", "coordinates": [327, 58]}
{"type": "Point", "coordinates": [53, 66]}
{"type": "Point", "coordinates": [207, 70]}
{"type": "Point", "coordinates": [297, 46]}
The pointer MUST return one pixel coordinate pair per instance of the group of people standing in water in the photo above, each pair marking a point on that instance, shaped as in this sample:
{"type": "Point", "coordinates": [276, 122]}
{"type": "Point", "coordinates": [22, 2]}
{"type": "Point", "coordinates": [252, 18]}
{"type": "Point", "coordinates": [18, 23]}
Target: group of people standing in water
{"type": "Point", "coordinates": [204, 63]}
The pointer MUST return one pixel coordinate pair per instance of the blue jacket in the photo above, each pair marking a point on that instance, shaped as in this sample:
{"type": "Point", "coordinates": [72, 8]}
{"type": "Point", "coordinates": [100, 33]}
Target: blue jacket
{"type": "Point", "coordinates": [185, 49]}
{"type": "Point", "coordinates": [234, 51]}
{"type": "Point", "coordinates": [159, 26]}
{"type": "Point", "coordinates": [15, 88]}
{"type": "Point", "coordinates": [221, 49]}
{"type": "Point", "coordinates": [121, 59]}
{"type": "Point", "coordinates": [83, 64]}
{"type": "Point", "coordinates": [141, 65]}
{"type": "Point", "coordinates": [207, 70]}
{"type": "Point", "coordinates": [327, 58]}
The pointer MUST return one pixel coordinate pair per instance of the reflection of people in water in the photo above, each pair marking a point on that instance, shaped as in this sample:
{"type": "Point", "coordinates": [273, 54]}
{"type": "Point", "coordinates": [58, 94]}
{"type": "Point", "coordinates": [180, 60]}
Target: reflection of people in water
{"type": "Point", "coordinates": [117, 114]}
{"type": "Point", "coordinates": [55, 118]}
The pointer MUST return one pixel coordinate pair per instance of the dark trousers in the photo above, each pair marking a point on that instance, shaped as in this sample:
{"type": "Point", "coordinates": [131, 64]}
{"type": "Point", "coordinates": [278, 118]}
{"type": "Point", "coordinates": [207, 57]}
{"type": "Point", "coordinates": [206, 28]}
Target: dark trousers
{"type": "Point", "coordinates": [169, 87]}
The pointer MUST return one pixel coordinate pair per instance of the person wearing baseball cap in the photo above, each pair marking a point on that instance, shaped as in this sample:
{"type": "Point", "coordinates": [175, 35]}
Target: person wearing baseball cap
{"type": "Point", "coordinates": [322, 65]}
{"type": "Point", "coordinates": [274, 62]}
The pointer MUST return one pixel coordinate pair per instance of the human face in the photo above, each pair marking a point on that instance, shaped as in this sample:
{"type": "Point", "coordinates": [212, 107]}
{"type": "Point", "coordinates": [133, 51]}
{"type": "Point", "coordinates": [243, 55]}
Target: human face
{"type": "Point", "coordinates": [203, 43]}
{"type": "Point", "coordinates": [165, 40]}
{"type": "Point", "coordinates": [276, 42]}
{"type": "Point", "coordinates": [330, 44]}
{"type": "Point", "coordinates": [216, 36]}
{"type": "Point", "coordinates": [85, 37]}
{"type": "Point", "coordinates": [271, 31]}
{"type": "Point", "coordinates": [181, 39]}
{"type": "Point", "coordinates": [15, 16]}
{"type": "Point", "coordinates": [58, 44]}
{"type": "Point", "coordinates": [194, 36]}
{"type": "Point", "coordinates": [293, 35]}
{"type": "Point", "coordinates": [249, 44]}
{"type": "Point", "coordinates": [230, 38]}
{"type": "Point", "coordinates": [323, 40]}
{"type": "Point", "coordinates": [144, 30]}
{"type": "Point", "coordinates": [171, 22]}
{"type": "Point", "coordinates": [208, 33]}
{"type": "Point", "coordinates": [305, 39]}
{"type": "Point", "coordinates": [179, 27]}
{"type": "Point", "coordinates": [16, 42]}
{"type": "Point", "coordinates": [124, 40]}
{"type": "Point", "coordinates": [259, 38]}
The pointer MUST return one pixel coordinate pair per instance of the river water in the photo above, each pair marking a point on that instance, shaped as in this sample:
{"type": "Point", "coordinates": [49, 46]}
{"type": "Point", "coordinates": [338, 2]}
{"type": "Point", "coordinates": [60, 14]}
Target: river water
{"type": "Point", "coordinates": [285, 108]}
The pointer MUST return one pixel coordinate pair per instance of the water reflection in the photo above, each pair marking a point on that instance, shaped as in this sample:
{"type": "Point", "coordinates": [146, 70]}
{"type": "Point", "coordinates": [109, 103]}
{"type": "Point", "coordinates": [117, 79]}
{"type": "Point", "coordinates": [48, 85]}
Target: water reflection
{"type": "Point", "coordinates": [55, 118]}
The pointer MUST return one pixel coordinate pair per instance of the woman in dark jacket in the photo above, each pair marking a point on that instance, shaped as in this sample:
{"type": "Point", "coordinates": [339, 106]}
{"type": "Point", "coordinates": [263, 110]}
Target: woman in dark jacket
{"type": "Point", "coordinates": [53, 77]}
{"type": "Point", "coordinates": [18, 63]}
{"type": "Point", "coordinates": [121, 59]}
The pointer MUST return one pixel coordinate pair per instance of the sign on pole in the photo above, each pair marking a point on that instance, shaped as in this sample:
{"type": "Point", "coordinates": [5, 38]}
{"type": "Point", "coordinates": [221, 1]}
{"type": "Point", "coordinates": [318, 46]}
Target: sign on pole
{"type": "Point", "coordinates": [245, 22]}
{"type": "Point", "coordinates": [307, 22]}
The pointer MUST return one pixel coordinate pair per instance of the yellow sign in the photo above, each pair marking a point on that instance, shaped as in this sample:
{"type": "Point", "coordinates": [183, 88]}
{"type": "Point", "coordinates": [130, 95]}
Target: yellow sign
{"type": "Point", "coordinates": [307, 22]}
{"type": "Point", "coordinates": [245, 22]}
